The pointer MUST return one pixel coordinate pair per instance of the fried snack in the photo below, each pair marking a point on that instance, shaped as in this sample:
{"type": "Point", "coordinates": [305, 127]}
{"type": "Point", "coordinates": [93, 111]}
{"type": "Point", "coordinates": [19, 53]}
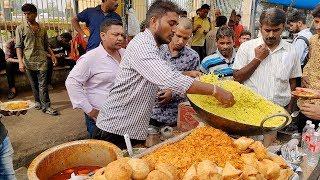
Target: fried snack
{"type": "Point", "coordinates": [249, 170]}
{"type": "Point", "coordinates": [243, 143]}
{"type": "Point", "coordinates": [279, 160]}
{"type": "Point", "coordinates": [118, 170]}
{"type": "Point", "coordinates": [206, 170]}
{"type": "Point", "coordinates": [250, 107]}
{"type": "Point", "coordinates": [100, 174]}
{"type": "Point", "coordinates": [273, 169]}
{"type": "Point", "coordinates": [230, 172]}
{"type": "Point", "coordinates": [260, 151]}
{"type": "Point", "coordinates": [140, 169]}
{"type": "Point", "coordinates": [17, 105]}
{"type": "Point", "coordinates": [204, 143]}
{"type": "Point", "coordinates": [191, 174]}
{"type": "Point", "coordinates": [158, 175]}
{"type": "Point", "coordinates": [285, 174]}
{"type": "Point", "coordinates": [168, 169]}
{"type": "Point", "coordinates": [250, 159]}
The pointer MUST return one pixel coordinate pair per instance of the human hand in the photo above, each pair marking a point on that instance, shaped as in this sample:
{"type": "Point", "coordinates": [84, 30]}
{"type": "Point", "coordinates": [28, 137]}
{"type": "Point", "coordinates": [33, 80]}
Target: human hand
{"type": "Point", "coordinates": [54, 60]}
{"type": "Point", "coordinates": [164, 96]}
{"type": "Point", "coordinates": [93, 114]}
{"type": "Point", "coordinates": [261, 52]}
{"type": "Point", "coordinates": [306, 93]}
{"type": "Point", "coordinates": [225, 97]}
{"type": "Point", "coordinates": [193, 74]}
{"type": "Point", "coordinates": [310, 110]}
{"type": "Point", "coordinates": [305, 82]}
{"type": "Point", "coordinates": [21, 66]}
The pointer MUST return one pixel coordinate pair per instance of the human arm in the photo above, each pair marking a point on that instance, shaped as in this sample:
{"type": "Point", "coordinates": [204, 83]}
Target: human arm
{"type": "Point", "coordinates": [75, 82]}
{"type": "Point", "coordinates": [241, 75]}
{"type": "Point", "coordinates": [149, 64]}
{"type": "Point", "coordinates": [53, 57]}
{"type": "Point", "coordinates": [81, 17]}
{"type": "Point", "coordinates": [10, 52]}
{"type": "Point", "coordinates": [19, 48]}
{"type": "Point", "coordinates": [292, 103]}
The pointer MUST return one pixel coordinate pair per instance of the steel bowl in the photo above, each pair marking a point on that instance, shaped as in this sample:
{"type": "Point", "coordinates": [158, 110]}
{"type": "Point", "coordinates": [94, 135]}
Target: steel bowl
{"type": "Point", "coordinates": [236, 128]}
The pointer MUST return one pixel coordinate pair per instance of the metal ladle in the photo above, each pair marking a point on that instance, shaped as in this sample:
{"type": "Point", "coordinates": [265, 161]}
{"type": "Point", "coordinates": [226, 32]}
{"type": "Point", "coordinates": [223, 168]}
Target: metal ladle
{"type": "Point", "coordinates": [295, 114]}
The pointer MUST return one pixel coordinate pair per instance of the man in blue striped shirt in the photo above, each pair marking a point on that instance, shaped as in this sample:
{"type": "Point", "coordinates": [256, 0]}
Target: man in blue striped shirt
{"type": "Point", "coordinates": [220, 63]}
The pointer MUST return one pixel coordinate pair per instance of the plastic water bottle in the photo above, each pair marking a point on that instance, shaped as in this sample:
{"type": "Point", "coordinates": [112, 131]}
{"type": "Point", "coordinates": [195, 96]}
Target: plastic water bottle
{"type": "Point", "coordinates": [304, 143]}
{"type": "Point", "coordinates": [313, 155]}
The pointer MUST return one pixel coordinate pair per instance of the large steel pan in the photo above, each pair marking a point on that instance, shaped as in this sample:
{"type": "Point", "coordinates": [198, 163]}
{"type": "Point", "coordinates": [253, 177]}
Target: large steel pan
{"type": "Point", "coordinates": [236, 128]}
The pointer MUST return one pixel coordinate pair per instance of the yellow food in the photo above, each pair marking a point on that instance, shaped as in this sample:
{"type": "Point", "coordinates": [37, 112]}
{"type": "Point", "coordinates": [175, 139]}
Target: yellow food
{"type": "Point", "coordinates": [205, 143]}
{"type": "Point", "coordinates": [250, 108]}
{"type": "Point", "coordinates": [17, 105]}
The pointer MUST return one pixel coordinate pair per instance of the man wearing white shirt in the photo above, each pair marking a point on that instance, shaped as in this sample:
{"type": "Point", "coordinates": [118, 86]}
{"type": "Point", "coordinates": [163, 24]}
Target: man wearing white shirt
{"type": "Point", "coordinates": [268, 64]}
{"type": "Point", "coordinates": [297, 24]}
{"type": "Point", "coordinates": [90, 81]}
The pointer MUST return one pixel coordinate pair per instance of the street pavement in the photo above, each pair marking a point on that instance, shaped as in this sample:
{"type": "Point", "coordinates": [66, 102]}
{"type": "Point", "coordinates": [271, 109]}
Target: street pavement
{"type": "Point", "coordinates": [35, 132]}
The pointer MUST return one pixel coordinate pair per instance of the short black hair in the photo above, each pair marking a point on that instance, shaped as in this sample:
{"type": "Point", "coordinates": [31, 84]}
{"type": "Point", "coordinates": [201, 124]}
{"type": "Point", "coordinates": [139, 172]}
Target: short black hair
{"type": "Point", "coordinates": [183, 12]}
{"type": "Point", "coordinates": [66, 36]}
{"type": "Point", "coordinates": [238, 15]}
{"type": "Point", "coordinates": [205, 6]}
{"type": "Point", "coordinates": [221, 20]}
{"type": "Point", "coordinates": [316, 12]}
{"type": "Point", "coordinates": [273, 17]}
{"type": "Point", "coordinates": [296, 16]}
{"type": "Point", "coordinates": [224, 31]}
{"type": "Point", "coordinates": [159, 8]}
{"type": "Point", "coordinates": [245, 32]}
{"type": "Point", "coordinates": [105, 25]}
{"type": "Point", "coordinates": [28, 7]}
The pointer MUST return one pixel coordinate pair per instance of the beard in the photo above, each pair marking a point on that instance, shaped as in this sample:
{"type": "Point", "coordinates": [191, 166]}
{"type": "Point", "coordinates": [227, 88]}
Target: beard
{"type": "Point", "coordinates": [160, 39]}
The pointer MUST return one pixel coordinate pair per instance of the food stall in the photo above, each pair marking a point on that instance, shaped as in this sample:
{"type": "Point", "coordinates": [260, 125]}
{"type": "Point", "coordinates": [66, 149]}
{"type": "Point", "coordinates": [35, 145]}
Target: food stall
{"type": "Point", "coordinates": [216, 149]}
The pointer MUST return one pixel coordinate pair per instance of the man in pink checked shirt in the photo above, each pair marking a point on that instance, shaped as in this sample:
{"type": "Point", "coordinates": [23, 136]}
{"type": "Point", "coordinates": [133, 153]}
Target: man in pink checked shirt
{"type": "Point", "coordinates": [90, 81]}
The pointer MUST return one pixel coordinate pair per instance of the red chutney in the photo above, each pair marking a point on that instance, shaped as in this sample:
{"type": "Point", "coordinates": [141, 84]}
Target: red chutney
{"type": "Point", "coordinates": [79, 170]}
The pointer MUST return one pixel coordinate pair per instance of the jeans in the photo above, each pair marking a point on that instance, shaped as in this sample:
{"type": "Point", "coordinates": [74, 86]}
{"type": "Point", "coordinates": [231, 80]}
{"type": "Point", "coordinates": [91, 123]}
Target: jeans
{"type": "Point", "coordinates": [49, 72]}
{"type": "Point", "coordinates": [39, 86]}
{"type": "Point", "coordinates": [6, 164]}
{"type": "Point", "coordinates": [12, 68]}
{"type": "Point", "coordinates": [90, 124]}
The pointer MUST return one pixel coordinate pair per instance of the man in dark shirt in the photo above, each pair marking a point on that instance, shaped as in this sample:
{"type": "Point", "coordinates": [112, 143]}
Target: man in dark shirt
{"type": "Point", "coordinates": [60, 45]}
{"type": "Point", "coordinates": [93, 17]}
{"type": "Point", "coordinates": [12, 67]}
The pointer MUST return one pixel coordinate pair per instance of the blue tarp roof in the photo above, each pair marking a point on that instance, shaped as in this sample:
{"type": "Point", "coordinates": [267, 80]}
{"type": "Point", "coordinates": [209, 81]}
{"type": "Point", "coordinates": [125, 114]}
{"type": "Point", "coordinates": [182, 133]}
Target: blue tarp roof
{"type": "Point", "coordinates": [300, 4]}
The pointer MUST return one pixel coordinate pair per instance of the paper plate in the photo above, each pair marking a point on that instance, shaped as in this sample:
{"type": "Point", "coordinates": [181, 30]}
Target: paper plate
{"type": "Point", "coordinates": [3, 106]}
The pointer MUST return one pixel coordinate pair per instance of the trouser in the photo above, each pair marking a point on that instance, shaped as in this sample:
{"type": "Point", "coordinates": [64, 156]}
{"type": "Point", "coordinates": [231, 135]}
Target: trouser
{"type": "Point", "coordinates": [90, 124]}
{"type": "Point", "coordinates": [6, 164]}
{"type": "Point", "coordinates": [113, 138]}
{"type": "Point", "coordinates": [39, 86]}
{"type": "Point", "coordinates": [201, 50]}
{"type": "Point", "coordinates": [49, 72]}
{"type": "Point", "coordinates": [12, 69]}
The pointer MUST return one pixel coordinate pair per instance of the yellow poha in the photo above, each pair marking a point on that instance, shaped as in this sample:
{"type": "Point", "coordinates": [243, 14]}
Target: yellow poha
{"type": "Point", "coordinates": [250, 108]}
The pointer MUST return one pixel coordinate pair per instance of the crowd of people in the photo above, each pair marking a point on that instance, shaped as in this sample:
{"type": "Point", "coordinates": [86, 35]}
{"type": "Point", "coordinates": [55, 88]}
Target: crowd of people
{"type": "Point", "coordinates": [123, 88]}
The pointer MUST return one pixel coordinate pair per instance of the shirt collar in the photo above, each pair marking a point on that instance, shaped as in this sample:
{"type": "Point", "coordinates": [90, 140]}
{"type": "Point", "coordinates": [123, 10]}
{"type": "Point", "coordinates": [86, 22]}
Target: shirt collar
{"type": "Point", "coordinates": [180, 53]}
{"type": "Point", "coordinates": [279, 47]}
{"type": "Point", "coordinates": [104, 53]}
{"type": "Point", "coordinates": [149, 35]}
{"type": "Point", "coordinates": [232, 58]}
{"type": "Point", "coordinates": [304, 31]}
